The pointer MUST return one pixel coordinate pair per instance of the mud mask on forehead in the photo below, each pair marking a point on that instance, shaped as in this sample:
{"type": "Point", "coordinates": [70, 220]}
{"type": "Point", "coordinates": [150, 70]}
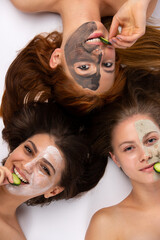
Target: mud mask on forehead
{"type": "Point", "coordinates": [39, 181]}
{"type": "Point", "coordinates": [144, 127]}
{"type": "Point", "coordinates": [77, 50]}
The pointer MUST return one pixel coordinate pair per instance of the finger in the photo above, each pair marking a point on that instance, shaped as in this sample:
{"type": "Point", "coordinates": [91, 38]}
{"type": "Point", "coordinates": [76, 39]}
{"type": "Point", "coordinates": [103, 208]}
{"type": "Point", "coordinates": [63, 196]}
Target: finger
{"type": "Point", "coordinates": [2, 174]}
{"type": "Point", "coordinates": [115, 45]}
{"type": "Point", "coordinates": [113, 28]}
{"type": "Point", "coordinates": [121, 44]}
{"type": "Point", "coordinates": [9, 175]}
{"type": "Point", "coordinates": [5, 175]}
{"type": "Point", "coordinates": [130, 38]}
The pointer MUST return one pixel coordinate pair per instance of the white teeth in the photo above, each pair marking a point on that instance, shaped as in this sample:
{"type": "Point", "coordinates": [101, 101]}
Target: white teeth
{"type": "Point", "coordinates": [94, 40]}
{"type": "Point", "coordinates": [17, 173]}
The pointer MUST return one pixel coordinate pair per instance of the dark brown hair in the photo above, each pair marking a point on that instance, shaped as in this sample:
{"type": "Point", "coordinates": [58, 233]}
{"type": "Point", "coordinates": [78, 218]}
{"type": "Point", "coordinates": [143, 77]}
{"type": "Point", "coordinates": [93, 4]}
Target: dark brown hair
{"type": "Point", "coordinates": [30, 78]}
{"type": "Point", "coordinates": [82, 169]}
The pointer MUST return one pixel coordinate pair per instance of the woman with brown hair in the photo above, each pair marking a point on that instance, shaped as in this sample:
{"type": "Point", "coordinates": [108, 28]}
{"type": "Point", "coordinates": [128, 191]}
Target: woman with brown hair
{"type": "Point", "coordinates": [78, 70]}
{"type": "Point", "coordinates": [130, 135]}
{"type": "Point", "coordinates": [48, 153]}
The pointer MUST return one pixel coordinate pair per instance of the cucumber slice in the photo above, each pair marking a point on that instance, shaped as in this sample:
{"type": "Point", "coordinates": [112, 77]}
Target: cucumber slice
{"type": "Point", "coordinates": [16, 179]}
{"type": "Point", "coordinates": [105, 41]}
{"type": "Point", "coordinates": [157, 167]}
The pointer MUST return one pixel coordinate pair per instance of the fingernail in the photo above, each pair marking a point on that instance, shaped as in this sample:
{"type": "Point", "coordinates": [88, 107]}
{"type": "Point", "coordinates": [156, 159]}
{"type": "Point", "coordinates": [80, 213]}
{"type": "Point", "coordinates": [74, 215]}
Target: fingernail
{"type": "Point", "coordinates": [119, 38]}
{"type": "Point", "coordinates": [113, 41]}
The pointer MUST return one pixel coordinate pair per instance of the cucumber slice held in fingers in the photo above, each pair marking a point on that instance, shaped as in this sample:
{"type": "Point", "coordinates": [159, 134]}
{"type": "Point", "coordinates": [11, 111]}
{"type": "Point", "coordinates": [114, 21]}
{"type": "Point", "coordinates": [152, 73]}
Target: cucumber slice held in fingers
{"type": "Point", "coordinates": [16, 180]}
{"type": "Point", "coordinates": [156, 167]}
{"type": "Point", "coordinates": [105, 41]}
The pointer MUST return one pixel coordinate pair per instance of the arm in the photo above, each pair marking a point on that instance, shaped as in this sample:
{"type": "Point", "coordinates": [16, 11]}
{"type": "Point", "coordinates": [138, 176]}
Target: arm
{"type": "Point", "coordinates": [5, 176]}
{"type": "Point", "coordinates": [101, 227]}
{"type": "Point", "coordinates": [132, 19]}
{"type": "Point", "coordinates": [31, 5]}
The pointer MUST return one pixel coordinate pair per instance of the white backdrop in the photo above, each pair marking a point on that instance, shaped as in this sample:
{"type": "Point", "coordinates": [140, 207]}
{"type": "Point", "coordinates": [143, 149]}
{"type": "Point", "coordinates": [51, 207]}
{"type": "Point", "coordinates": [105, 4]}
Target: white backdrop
{"type": "Point", "coordinates": [63, 220]}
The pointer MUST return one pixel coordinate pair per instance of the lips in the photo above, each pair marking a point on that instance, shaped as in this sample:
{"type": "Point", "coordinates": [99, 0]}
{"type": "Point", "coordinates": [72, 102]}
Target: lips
{"type": "Point", "coordinates": [147, 168]}
{"type": "Point", "coordinates": [94, 39]}
{"type": "Point", "coordinates": [20, 175]}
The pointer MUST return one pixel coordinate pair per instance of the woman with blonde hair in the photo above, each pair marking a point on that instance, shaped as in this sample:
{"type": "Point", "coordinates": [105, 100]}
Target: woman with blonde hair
{"type": "Point", "coordinates": [77, 69]}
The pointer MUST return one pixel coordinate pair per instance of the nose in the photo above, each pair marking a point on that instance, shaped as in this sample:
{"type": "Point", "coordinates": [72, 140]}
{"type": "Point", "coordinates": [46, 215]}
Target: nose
{"type": "Point", "coordinates": [98, 51]}
{"type": "Point", "coordinates": [29, 166]}
{"type": "Point", "coordinates": [145, 155]}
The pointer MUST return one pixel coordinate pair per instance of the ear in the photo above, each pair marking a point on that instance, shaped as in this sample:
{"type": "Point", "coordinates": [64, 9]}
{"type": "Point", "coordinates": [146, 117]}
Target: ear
{"type": "Point", "coordinates": [115, 159]}
{"type": "Point", "coordinates": [54, 192]}
{"type": "Point", "coordinates": [55, 59]}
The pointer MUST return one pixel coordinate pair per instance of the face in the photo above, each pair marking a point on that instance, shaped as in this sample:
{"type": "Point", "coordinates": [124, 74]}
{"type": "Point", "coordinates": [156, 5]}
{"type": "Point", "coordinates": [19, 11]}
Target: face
{"type": "Point", "coordinates": [136, 146]}
{"type": "Point", "coordinates": [39, 164]}
{"type": "Point", "coordinates": [87, 60]}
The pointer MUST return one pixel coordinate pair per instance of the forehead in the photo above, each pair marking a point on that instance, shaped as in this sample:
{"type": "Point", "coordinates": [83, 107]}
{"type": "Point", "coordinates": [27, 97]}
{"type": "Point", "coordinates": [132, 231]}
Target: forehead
{"type": "Point", "coordinates": [137, 124]}
{"type": "Point", "coordinates": [145, 126]}
{"type": "Point", "coordinates": [42, 140]}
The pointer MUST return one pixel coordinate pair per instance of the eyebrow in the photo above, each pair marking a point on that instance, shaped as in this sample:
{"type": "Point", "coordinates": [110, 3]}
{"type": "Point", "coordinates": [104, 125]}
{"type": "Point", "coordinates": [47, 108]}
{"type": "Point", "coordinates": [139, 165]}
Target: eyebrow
{"type": "Point", "coordinates": [147, 134]}
{"type": "Point", "coordinates": [48, 163]}
{"type": "Point", "coordinates": [34, 146]}
{"type": "Point", "coordinates": [127, 142]}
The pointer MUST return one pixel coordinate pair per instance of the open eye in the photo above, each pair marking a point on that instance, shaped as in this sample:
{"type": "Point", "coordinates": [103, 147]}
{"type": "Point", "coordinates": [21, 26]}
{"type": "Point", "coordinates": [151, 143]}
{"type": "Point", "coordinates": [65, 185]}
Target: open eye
{"type": "Point", "coordinates": [28, 150]}
{"type": "Point", "coordinates": [83, 67]}
{"type": "Point", "coordinates": [107, 64]}
{"type": "Point", "coordinates": [129, 148]}
{"type": "Point", "coordinates": [45, 169]}
{"type": "Point", "coordinates": [151, 141]}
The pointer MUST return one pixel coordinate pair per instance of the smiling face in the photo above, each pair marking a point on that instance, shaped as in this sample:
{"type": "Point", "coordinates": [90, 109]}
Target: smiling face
{"type": "Point", "coordinates": [89, 63]}
{"type": "Point", "coordinates": [39, 164]}
{"type": "Point", "coordinates": [136, 146]}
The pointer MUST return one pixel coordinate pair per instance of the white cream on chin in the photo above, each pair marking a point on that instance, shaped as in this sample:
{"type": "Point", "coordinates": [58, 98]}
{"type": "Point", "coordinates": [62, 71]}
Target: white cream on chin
{"type": "Point", "coordinates": [39, 180]}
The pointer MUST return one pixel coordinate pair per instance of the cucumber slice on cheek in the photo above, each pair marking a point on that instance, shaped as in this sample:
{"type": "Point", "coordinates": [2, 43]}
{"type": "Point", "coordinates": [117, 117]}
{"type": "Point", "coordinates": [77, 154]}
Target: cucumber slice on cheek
{"type": "Point", "coordinates": [16, 180]}
{"type": "Point", "coordinates": [156, 167]}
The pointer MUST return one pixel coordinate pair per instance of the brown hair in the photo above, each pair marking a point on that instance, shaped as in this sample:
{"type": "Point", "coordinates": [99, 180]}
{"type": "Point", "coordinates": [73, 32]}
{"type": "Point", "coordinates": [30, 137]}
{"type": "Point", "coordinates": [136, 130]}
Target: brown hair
{"type": "Point", "coordinates": [30, 78]}
{"type": "Point", "coordinates": [134, 101]}
{"type": "Point", "coordinates": [82, 169]}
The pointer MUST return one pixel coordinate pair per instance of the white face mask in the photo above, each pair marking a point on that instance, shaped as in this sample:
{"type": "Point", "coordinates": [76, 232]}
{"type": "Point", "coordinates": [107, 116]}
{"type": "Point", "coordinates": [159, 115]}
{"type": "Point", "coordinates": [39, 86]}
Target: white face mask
{"type": "Point", "coordinates": [36, 172]}
{"type": "Point", "coordinates": [146, 130]}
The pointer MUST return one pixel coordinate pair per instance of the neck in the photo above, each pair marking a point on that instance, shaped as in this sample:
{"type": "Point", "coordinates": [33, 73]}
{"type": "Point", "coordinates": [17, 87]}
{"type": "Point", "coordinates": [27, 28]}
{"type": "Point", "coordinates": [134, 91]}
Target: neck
{"type": "Point", "coordinates": [147, 196]}
{"type": "Point", "coordinates": [85, 10]}
{"type": "Point", "coordinates": [8, 201]}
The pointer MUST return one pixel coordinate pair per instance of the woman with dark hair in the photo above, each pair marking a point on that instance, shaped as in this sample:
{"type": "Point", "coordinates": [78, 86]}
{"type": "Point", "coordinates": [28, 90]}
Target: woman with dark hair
{"type": "Point", "coordinates": [77, 68]}
{"type": "Point", "coordinates": [49, 155]}
{"type": "Point", "coordinates": [130, 135]}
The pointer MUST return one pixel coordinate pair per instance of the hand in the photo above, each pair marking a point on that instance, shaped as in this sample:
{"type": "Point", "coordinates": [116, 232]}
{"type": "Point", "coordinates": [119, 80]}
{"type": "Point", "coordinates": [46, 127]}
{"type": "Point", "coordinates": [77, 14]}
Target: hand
{"type": "Point", "coordinates": [5, 176]}
{"type": "Point", "coordinates": [132, 19]}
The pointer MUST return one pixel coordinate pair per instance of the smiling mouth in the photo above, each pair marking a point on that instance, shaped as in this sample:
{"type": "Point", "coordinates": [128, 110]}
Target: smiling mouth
{"type": "Point", "coordinates": [20, 177]}
{"type": "Point", "coordinates": [93, 40]}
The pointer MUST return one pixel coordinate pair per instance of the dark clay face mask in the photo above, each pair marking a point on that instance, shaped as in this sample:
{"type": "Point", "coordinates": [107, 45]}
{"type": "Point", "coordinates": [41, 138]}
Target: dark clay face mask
{"type": "Point", "coordinates": [79, 53]}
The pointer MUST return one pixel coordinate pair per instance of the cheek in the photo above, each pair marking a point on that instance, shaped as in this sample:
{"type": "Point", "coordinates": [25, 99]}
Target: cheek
{"type": "Point", "coordinates": [40, 180]}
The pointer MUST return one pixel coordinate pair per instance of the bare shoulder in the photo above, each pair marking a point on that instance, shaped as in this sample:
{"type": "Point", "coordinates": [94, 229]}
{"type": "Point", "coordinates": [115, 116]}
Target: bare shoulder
{"type": "Point", "coordinates": [103, 225]}
{"type": "Point", "coordinates": [8, 231]}
{"type": "Point", "coordinates": [34, 6]}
